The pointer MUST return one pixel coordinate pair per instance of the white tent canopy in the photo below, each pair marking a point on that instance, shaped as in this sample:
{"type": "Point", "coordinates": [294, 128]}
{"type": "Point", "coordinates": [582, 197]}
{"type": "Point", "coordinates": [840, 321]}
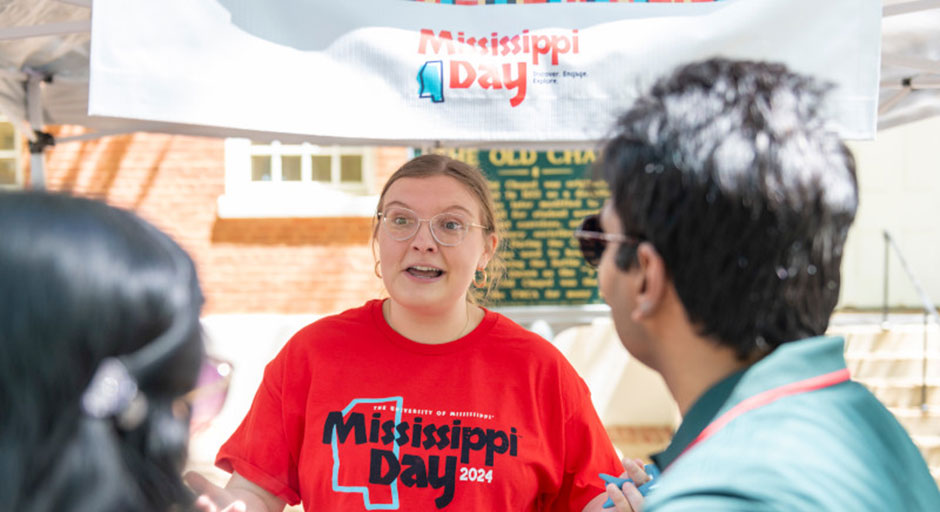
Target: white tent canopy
{"type": "Point", "coordinates": [46, 47]}
{"type": "Point", "coordinates": [910, 62]}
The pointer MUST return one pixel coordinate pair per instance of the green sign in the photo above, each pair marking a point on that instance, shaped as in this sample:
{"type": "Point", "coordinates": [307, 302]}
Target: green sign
{"type": "Point", "coordinates": [541, 197]}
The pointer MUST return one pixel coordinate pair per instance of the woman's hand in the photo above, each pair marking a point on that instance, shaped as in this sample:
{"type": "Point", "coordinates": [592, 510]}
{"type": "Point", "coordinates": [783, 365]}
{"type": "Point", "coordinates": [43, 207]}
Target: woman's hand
{"type": "Point", "coordinates": [627, 498]}
{"type": "Point", "coordinates": [239, 495]}
{"type": "Point", "coordinates": [211, 497]}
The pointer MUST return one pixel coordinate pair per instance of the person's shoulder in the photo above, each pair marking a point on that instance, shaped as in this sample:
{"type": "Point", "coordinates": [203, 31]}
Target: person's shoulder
{"type": "Point", "coordinates": [514, 340]}
{"type": "Point", "coordinates": [747, 475]}
{"type": "Point", "coordinates": [806, 447]}
{"type": "Point", "coordinates": [350, 318]}
{"type": "Point", "coordinates": [516, 337]}
{"type": "Point", "coordinates": [346, 325]}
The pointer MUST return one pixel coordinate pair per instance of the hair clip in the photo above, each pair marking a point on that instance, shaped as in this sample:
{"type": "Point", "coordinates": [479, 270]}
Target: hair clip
{"type": "Point", "coordinates": [111, 391]}
{"type": "Point", "coordinates": [762, 344]}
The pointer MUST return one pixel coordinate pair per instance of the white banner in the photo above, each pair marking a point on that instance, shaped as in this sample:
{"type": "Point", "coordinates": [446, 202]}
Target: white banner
{"type": "Point", "coordinates": [399, 72]}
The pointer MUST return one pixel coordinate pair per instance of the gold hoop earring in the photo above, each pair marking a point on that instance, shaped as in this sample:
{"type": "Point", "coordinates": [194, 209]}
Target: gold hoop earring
{"type": "Point", "coordinates": [480, 284]}
{"type": "Point", "coordinates": [377, 272]}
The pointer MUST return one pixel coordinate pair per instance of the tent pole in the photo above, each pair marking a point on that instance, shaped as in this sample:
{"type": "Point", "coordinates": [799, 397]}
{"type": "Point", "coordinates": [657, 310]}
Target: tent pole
{"type": "Point", "coordinates": [907, 7]}
{"type": "Point", "coordinates": [918, 63]}
{"type": "Point", "coordinates": [80, 3]}
{"type": "Point", "coordinates": [49, 29]}
{"type": "Point", "coordinates": [889, 103]}
{"type": "Point", "coordinates": [93, 135]}
{"type": "Point", "coordinates": [39, 139]}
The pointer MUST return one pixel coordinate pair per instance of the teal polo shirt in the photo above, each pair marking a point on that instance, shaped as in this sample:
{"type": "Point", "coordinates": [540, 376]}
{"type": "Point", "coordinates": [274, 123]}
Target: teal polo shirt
{"type": "Point", "coordinates": [836, 448]}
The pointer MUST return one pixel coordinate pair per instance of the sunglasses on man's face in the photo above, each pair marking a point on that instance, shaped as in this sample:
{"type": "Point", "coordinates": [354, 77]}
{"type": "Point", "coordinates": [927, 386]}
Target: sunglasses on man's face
{"type": "Point", "coordinates": [593, 240]}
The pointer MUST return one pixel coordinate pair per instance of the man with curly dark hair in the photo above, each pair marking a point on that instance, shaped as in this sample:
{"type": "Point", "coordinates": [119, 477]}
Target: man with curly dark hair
{"type": "Point", "coordinates": [719, 254]}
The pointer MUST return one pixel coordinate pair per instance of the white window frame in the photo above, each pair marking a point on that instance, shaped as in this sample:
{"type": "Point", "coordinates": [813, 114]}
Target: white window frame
{"type": "Point", "coordinates": [245, 198]}
{"type": "Point", "coordinates": [16, 154]}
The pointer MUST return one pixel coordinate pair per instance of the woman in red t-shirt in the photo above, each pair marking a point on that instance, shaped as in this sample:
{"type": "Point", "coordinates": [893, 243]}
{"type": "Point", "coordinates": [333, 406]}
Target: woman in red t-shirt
{"type": "Point", "coordinates": [424, 400]}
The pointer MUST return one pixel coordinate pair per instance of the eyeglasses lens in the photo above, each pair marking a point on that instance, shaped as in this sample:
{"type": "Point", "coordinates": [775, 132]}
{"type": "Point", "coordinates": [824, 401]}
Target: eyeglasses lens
{"type": "Point", "coordinates": [400, 224]}
{"type": "Point", "coordinates": [592, 248]}
{"type": "Point", "coordinates": [210, 393]}
{"type": "Point", "coordinates": [447, 228]}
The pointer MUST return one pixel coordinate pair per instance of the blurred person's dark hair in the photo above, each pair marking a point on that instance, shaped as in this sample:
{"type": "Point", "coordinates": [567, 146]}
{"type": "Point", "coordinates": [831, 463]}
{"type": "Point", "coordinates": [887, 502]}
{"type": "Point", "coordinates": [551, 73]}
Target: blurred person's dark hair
{"type": "Point", "coordinates": [728, 169]}
{"type": "Point", "coordinates": [100, 340]}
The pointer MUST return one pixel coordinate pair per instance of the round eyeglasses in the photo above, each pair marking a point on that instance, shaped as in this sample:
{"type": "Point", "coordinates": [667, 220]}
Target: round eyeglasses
{"type": "Point", "coordinates": [593, 240]}
{"type": "Point", "coordinates": [448, 228]}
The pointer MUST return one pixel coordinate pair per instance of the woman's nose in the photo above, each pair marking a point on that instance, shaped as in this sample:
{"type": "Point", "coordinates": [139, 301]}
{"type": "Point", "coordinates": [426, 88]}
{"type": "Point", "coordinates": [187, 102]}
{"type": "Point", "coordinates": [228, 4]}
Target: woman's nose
{"type": "Point", "coordinates": [424, 239]}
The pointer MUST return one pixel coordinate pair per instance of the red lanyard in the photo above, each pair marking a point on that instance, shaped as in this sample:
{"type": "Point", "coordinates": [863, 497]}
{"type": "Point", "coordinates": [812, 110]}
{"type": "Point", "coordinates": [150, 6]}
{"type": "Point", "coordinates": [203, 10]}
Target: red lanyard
{"type": "Point", "coordinates": [769, 396]}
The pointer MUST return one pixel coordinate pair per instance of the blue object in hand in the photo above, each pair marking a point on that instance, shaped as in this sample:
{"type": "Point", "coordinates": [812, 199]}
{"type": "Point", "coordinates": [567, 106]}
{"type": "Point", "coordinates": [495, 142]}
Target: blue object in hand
{"type": "Point", "coordinates": [649, 469]}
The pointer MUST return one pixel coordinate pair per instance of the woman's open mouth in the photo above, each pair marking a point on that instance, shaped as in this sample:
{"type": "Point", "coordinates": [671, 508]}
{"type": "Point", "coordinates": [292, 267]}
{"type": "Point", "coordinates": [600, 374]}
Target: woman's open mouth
{"type": "Point", "coordinates": [423, 272]}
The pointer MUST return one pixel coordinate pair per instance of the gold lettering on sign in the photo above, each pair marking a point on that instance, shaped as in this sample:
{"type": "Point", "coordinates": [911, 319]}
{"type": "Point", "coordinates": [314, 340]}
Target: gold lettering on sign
{"type": "Point", "coordinates": [542, 198]}
{"type": "Point", "coordinates": [524, 294]}
{"type": "Point", "coordinates": [538, 283]}
{"type": "Point", "coordinates": [570, 157]}
{"type": "Point", "coordinates": [550, 214]}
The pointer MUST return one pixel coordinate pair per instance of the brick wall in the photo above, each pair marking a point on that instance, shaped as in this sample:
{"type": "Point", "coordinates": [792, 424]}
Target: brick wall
{"type": "Point", "coordinates": [301, 265]}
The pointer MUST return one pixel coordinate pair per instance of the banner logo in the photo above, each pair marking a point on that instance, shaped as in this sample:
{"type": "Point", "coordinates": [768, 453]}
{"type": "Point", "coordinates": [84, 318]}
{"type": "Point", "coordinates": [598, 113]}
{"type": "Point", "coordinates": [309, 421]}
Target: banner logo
{"type": "Point", "coordinates": [431, 81]}
{"type": "Point", "coordinates": [495, 63]}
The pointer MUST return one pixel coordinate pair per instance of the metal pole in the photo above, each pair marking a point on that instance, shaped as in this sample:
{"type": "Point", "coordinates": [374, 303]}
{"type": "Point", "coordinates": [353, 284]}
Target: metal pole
{"type": "Point", "coordinates": [37, 163]}
{"type": "Point", "coordinates": [923, 375]}
{"type": "Point", "coordinates": [884, 302]}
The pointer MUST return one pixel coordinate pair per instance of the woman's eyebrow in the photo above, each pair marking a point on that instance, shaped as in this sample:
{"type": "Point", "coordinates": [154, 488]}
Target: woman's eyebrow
{"type": "Point", "coordinates": [451, 207]}
{"type": "Point", "coordinates": [458, 207]}
{"type": "Point", "coordinates": [395, 203]}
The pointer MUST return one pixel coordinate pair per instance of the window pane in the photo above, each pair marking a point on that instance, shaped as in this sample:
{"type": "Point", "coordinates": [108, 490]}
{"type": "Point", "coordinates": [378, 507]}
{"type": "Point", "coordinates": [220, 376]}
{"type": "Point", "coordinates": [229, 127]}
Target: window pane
{"type": "Point", "coordinates": [320, 165]}
{"type": "Point", "coordinates": [7, 171]}
{"type": "Point", "coordinates": [290, 168]}
{"type": "Point", "coordinates": [7, 134]}
{"type": "Point", "coordinates": [350, 168]}
{"type": "Point", "coordinates": [260, 168]}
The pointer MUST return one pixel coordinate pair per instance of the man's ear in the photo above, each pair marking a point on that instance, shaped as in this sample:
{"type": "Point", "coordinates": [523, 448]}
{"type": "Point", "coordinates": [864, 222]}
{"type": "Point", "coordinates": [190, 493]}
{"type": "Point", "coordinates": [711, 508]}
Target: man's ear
{"type": "Point", "coordinates": [653, 281]}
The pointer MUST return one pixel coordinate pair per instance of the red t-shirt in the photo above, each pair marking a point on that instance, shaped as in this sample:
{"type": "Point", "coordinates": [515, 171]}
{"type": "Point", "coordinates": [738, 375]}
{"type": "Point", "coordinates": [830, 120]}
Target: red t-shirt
{"type": "Point", "coordinates": [353, 416]}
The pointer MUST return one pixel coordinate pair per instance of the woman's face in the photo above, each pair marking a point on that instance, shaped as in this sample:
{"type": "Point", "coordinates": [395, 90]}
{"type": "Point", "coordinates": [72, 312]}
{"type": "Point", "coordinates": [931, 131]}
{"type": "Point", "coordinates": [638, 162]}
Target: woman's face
{"type": "Point", "coordinates": [419, 273]}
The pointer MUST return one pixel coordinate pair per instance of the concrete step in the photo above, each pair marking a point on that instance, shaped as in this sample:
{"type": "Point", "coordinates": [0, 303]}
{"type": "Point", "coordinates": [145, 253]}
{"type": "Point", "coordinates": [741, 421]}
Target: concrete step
{"type": "Point", "coordinates": [904, 392]}
{"type": "Point", "coordinates": [930, 447]}
{"type": "Point", "coordinates": [918, 422]}
{"type": "Point", "coordinates": [895, 338]}
{"type": "Point", "coordinates": [640, 441]}
{"type": "Point", "coordinates": [883, 364]}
